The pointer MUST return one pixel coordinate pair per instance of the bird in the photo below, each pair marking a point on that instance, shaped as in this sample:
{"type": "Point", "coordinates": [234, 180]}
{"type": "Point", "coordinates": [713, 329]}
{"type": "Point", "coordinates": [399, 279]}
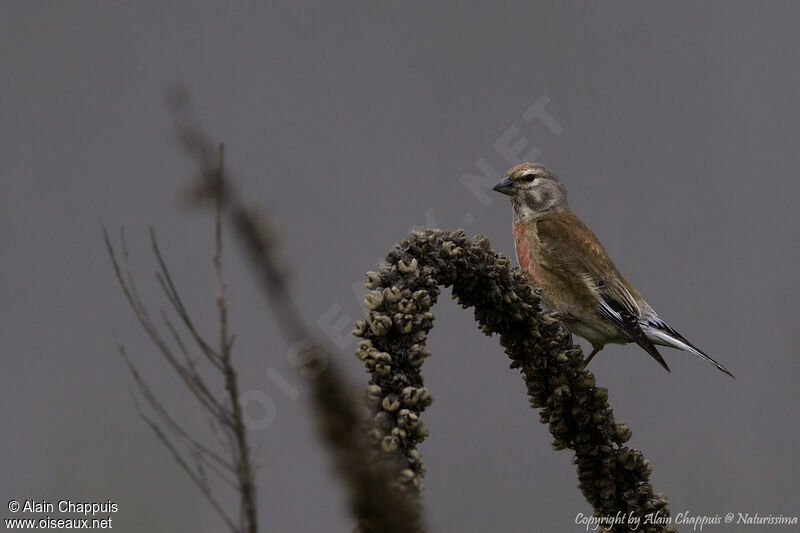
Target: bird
{"type": "Point", "coordinates": [559, 254]}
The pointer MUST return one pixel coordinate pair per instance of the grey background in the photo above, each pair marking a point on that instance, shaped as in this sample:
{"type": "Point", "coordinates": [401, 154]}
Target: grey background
{"type": "Point", "coordinates": [350, 122]}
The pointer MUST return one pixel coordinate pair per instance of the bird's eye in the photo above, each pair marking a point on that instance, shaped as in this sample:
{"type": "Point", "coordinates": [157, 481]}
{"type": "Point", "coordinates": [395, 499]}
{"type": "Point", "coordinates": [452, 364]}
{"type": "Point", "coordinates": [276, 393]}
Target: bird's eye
{"type": "Point", "coordinates": [529, 178]}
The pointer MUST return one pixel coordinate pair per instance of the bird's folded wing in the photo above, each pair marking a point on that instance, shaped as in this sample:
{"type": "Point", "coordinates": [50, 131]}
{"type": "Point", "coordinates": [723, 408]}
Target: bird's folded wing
{"type": "Point", "coordinates": [570, 250]}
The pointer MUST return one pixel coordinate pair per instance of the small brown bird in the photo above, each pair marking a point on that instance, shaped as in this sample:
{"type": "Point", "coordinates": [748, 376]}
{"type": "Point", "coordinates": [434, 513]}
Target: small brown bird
{"type": "Point", "coordinates": [559, 254]}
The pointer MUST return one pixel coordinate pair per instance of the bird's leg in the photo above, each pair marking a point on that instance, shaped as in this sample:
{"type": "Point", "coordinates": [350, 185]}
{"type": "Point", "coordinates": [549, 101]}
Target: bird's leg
{"type": "Point", "coordinates": [594, 352]}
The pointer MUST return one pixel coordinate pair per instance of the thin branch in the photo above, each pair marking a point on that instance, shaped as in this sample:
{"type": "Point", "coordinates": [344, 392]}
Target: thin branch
{"type": "Point", "coordinates": [226, 417]}
{"type": "Point", "coordinates": [173, 425]}
{"type": "Point", "coordinates": [165, 281]}
{"type": "Point", "coordinates": [247, 487]}
{"type": "Point", "coordinates": [189, 377]}
{"type": "Point", "coordinates": [198, 481]}
{"type": "Point", "coordinates": [377, 503]}
{"type": "Point", "coordinates": [191, 363]}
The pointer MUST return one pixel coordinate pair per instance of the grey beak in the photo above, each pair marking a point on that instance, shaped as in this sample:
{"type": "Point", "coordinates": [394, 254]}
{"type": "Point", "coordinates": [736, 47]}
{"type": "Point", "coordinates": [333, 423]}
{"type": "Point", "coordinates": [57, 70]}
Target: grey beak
{"type": "Point", "coordinates": [505, 187]}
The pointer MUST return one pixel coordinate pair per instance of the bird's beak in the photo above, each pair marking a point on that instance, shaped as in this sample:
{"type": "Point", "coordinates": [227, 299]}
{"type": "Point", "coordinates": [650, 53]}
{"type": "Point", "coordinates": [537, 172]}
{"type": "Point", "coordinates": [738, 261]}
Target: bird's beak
{"type": "Point", "coordinates": [505, 187]}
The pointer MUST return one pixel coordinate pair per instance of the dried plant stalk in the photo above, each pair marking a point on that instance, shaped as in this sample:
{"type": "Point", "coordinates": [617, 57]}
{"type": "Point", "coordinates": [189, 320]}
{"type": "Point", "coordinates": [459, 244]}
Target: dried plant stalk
{"type": "Point", "coordinates": [613, 477]}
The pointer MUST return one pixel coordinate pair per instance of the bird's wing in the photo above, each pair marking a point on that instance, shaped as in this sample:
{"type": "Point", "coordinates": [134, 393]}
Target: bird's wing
{"type": "Point", "coordinates": [571, 251]}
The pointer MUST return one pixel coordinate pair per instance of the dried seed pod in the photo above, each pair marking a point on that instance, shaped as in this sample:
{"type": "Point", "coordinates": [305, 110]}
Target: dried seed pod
{"type": "Point", "coordinates": [407, 419]}
{"type": "Point", "coordinates": [409, 396]}
{"type": "Point", "coordinates": [359, 328]}
{"type": "Point", "coordinates": [449, 249]}
{"type": "Point", "coordinates": [407, 268]}
{"type": "Point", "coordinates": [390, 403]}
{"type": "Point", "coordinates": [601, 394]}
{"type": "Point", "coordinates": [422, 298]}
{"type": "Point", "coordinates": [406, 475]}
{"type": "Point", "coordinates": [425, 398]}
{"type": "Point", "coordinates": [392, 295]}
{"type": "Point", "coordinates": [389, 443]}
{"type": "Point", "coordinates": [406, 306]}
{"type": "Point", "coordinates": [373, 280]}
{"type": "Point", "coordinates": [623, 432]}
{"type": "Point", "coordinates": [379, 324]}
{"type": "Point", "coordinates": [403, 323]}
{"type": "Point", "coordinates": [373, 300]}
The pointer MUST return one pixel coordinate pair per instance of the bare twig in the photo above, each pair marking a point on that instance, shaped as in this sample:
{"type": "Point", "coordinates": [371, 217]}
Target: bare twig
{"type": "Point", "coordinates": [219, 464]}
{"type": "Point", "coordinates": [377, 503]}
{"type": "Point", "coordinates": [244, 471]}
{"type": "Point", "coordinates": [187, 373]}
{"type": "Point", "coordinates": [193, 474]}
{"type": "Point", "coordinates": [226, 415]}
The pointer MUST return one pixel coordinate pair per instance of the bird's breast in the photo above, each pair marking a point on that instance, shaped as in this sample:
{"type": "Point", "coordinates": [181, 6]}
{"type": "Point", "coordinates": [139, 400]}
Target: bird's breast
{"type": "Point", "coordinates": [523, 245]}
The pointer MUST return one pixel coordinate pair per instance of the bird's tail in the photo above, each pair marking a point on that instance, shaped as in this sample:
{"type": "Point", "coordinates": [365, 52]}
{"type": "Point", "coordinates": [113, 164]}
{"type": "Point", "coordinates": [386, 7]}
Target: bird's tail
{"type": "Point", "coordinates": [659, 332]}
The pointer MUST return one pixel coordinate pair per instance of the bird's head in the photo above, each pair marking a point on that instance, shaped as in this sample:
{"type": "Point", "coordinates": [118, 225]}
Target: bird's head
{"type": "Point", "coordinates": [533, 190]}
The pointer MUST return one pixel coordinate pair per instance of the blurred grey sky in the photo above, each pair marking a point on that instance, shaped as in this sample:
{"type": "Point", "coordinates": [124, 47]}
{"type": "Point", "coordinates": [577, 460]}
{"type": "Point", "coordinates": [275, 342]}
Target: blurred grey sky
{"type": "Point", "coordinates": [352, 122]}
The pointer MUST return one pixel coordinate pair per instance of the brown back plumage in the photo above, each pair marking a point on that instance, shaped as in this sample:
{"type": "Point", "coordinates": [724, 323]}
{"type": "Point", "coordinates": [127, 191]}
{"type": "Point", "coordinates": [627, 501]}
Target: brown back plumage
{"type": "Point", "coordinates": [570, 251]}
